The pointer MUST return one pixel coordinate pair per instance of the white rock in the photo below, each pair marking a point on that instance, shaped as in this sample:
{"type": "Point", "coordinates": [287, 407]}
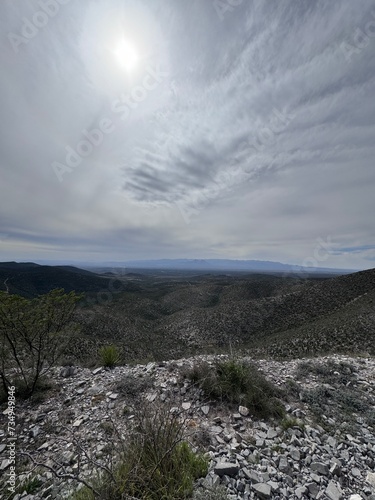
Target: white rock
{"type": "Point", "coordinates": [333, 492]}
{"type": "Point", "coordinates": [205, 409]}
{"type": "Point", "coordinates": [371, 478]}
{"type": "Point", "coordinates": [271, 433]}
{"type": "Point", "coordinates": [4, 464]}
{"type": "Point", "coordinates": [44, 446]}
{"type": "Point", "coordinates": [242, 410]}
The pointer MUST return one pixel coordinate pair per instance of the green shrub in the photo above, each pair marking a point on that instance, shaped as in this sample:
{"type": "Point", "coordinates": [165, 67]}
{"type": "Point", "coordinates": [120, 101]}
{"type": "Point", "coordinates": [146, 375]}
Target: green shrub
{"type": "Point", "coordinates": [156, 462]}
{"type": "Point", "coordinates": [202, 375]}
{"type": "Point", "coordinates": [109, 356]}
{"type": "Point", "coordinates": [238, 382]}
{"type": "Point", "coordinates": [29, 484]}
{"type": "Point", "coordinates": [290, 422]}
{"type": "Point", "coordinates": [33, 337]}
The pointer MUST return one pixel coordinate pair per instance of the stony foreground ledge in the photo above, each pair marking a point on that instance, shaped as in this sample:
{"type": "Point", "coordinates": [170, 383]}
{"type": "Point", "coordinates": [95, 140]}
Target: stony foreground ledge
{"type": "Point", "coordinates": [251, 458]}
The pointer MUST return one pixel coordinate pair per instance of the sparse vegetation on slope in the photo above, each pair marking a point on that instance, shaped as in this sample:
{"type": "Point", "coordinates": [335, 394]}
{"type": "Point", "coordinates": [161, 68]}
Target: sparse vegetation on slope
{"type": "Point", "coordinates": [238, 382]}
{"type": "Point", "coordinates": [269, 316]}
{"type": "Point", "coordinates": [348, 330]}
{"type": "Point", "coordinates": [156, 463]}
{"type": "Point", "coordinates": [336, 394]}
{"type": "Point", "coordinates": [164, 317]}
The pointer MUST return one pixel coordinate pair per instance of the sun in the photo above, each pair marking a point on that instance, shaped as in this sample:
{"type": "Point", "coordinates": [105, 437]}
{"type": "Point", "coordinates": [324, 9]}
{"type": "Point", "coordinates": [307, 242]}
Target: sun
{"type": "Point", "coordinates": [126, 55]}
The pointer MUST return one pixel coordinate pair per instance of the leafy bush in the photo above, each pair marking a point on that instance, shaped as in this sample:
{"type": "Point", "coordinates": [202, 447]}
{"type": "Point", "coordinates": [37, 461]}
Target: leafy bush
{"type": "Point", "coordinates": [33, 336]}
{"type": "Point", "coordinates": [109, 356]}
{"type": "Point", "coordinates": [238, 382]}
{"type": "Point", "coordinates": [155, 464]}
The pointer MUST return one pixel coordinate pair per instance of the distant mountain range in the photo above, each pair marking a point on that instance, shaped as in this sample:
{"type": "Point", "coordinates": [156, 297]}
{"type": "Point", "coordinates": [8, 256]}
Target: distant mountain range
{"type": "Point", "coordinates": [226, 265]}
{"type": "Point", "coordinates": [30, 279]}
{"type": "Point", "coordinates": [211, 265]}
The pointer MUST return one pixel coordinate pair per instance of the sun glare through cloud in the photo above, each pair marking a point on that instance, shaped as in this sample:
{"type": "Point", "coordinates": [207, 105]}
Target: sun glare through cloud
{"type": "Point", "coordinates": [126, 55]}
{"type": "Point", "coordinates": [118, 41]}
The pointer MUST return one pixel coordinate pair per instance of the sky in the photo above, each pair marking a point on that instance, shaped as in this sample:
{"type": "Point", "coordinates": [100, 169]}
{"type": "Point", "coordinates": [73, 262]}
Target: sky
{"type": "Point", "coordinates": [188, 129]}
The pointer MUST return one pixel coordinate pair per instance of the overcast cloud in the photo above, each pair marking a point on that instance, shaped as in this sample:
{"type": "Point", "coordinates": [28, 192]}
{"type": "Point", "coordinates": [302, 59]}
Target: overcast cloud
{"type": "Point", "coordinates": [242, 132]}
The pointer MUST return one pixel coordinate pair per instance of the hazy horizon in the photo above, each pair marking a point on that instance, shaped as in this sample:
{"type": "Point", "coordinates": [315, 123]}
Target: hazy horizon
{"type": "Point", "coordinates": [148, 129]}
{"type": "Point", "coordinates": [145, 264]}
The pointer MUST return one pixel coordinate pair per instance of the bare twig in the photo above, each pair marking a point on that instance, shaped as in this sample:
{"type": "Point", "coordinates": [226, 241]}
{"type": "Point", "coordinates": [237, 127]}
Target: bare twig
{"type": "Point", "coordinates": [59, 475]}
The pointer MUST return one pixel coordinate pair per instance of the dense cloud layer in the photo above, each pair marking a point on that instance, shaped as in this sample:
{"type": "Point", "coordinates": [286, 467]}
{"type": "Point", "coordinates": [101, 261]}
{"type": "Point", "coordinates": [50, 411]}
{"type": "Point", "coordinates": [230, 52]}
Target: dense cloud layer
{"type": "Point", "coordinates": [243, 131]}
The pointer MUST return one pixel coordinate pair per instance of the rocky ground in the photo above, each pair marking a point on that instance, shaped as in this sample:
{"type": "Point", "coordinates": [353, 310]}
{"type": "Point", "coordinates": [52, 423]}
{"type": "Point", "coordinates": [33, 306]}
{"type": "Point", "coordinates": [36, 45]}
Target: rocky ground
{"type": "Point", "coordinates": [323, 449]}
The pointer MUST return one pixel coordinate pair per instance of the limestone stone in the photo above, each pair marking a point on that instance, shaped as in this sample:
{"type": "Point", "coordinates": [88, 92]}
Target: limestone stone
{"type": "Point", "coordinates": [242, 410]}
{"type": "Point", "coordinates": [227, 469]}
{"type": "Point", "coordinates": [320, 467]}
{"type": "Point", "coordinates": [263, 490]}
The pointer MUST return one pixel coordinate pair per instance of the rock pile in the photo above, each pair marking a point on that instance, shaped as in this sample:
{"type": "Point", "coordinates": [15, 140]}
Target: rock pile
{"type": "Point", "coordinates": [297, 458]}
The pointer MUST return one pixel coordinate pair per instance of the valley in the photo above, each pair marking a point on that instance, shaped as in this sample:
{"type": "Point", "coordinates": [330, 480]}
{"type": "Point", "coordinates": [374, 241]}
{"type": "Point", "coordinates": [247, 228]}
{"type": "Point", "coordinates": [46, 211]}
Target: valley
{"type": "Point", "coordinates": [165, 314]}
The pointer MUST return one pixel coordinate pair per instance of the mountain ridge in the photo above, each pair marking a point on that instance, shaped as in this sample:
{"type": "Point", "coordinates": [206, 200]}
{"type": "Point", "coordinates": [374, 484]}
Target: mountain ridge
{"type": "Point", "coordinates": [227, 265]}
{"type": "Point", "coordinates": [29, 279]}
{"type": "Point", "coordinates": [203, 264]}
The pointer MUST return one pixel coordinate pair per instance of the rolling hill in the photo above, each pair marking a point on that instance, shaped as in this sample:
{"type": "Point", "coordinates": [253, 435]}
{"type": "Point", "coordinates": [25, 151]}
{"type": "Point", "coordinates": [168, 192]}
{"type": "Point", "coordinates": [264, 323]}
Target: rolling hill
{"type": "Point", "coordinates": [282, 317]}
{"type": "Point", "coordinates": [176, 314]}
{"type": "Point", "coordinates": [29, 279]}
